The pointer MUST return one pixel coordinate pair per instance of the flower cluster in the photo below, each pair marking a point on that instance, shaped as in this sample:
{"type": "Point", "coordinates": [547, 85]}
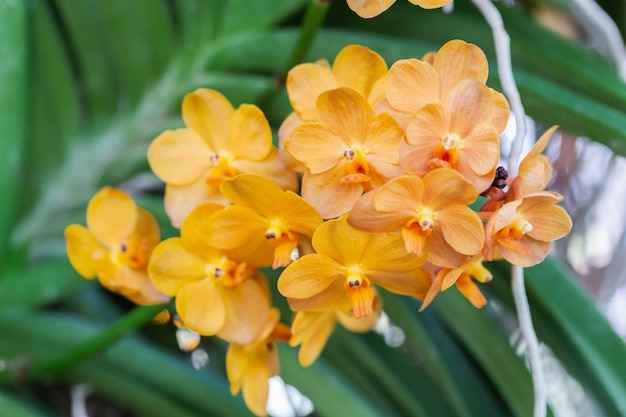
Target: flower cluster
{"type": "Point", "coordinates": [390, 161]}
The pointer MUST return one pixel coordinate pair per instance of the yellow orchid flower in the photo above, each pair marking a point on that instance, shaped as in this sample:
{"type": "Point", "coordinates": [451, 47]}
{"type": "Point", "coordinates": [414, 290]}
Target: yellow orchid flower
{"type": "Point", "coordinates": [265, 222]}
{"type": "Point", "coordinates": [249, 367]}
{"type": "Point", "coordinates": [215, 294]}
{"type": "Point", "coordinates": [317, 317]}
{"type": "Point", "coordinates": [462, 277]}
{"type": "Point", "coordinates": [355, 66]}
{"type": "Point", "coordinates": [348, 151]}
{"type": "Point", "coordinates": [218, 143]}
{"type": "Point", "coordinates": [522, 231]}
{"type": "Point", "coordinates": [116, 246]}
{"type": "Point", "coordinates": [353, 260]}
{"type": "Point", "coordinates": [432, 214]}
{"type": "Point", "coordinates": [372, 8]}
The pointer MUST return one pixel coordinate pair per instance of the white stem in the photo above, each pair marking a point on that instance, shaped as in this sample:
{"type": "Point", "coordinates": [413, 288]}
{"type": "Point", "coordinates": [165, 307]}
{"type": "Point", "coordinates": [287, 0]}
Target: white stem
{"type": "Point", "coordinates": [503, 53]}
{"type": "Point", "coordinates": [528, 332]}
{"type": "Point", "coordinates": [600, 23]}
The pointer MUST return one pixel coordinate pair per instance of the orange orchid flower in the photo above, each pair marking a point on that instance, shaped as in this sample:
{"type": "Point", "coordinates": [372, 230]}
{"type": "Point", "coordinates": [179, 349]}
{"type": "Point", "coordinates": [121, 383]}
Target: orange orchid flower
{"type": "Point", "coordinates": [215, 294]}
{"type": "Point", "coordinates": [350, 261]}
{"type": "Point", "coordinates": [411, 83]}
{"type": "Point", "coordinates": [349, 151]}
{"type": "Point", "coordinates": [116, 246]}
{"type": "Point", "coordinates": [455, 134]}
{"type": "Point", "coordinates": [355, 66]}
{"type": "Point", "coordinates": [535, 170]}
{"type": "Point", "coordinates": [218, 143]}
{"type": "Point", "coordinates": [249, 367]}
{"type": "Point", "coordinates": [265, 221]}
{"type": "Point", "coordinates": [535, 173]}
{"type": "Point", "coordinates": [372, 8]}
{"type": "Point", "coordinates": [317, 317]}
{"type": "Point", "coordinates": [462, 277]}
{"type": "Point", "coordinates": [432, 214]}
{"type": "Point", "coordinates": [522, 230]}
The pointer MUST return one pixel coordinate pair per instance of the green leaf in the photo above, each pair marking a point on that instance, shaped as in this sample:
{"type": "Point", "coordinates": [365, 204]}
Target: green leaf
{"type": "Point", "coordinates": [14, 406]}
{"type": "Point", "coordinates": [329, 390]}
{"type": "Point", "coordinates": [490, 348]}
{"type": "Point", "coordinates": [13, 115]}
{"type": "Point", "coordinates": [446, 366]}
{"type": "Point", "coordinates": [133, 373]}
{"type": "Point", "coordinates": [567, 320]}
{"type": "Point", "coordinates": [244, 15]}
{"type": "Point", "coordinates": [39, 285]}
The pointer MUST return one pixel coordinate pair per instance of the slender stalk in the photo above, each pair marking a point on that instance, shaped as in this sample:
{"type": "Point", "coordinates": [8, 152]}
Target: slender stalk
{"type": "Point", "coordinates": [505, 71]}
{"type": "Point", "coordinates": [528, 332]}
{"type": "Point", "coordinates": [313, 19]}
{"type": "Point", "coordinates": [127, 324]}
{"type": "Point", "coordinates": [503, 52]}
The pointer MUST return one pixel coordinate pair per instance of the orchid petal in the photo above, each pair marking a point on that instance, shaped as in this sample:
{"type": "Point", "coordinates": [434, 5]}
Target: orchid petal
{"type": "Point", "coordinates": [111, 216]}
{"type": "Point", "coordinates": [233, 227]}
{"type": "Point", "coordinates": [359, 68]}
{"type": "Point", "coordinates": [247, 310]}
{"type": "Point", "coordinates": [208, 113]}
{"type": "Point", "coordinates": [346, 114]}
{"type": "Point", "coordinates": [401, 195]}
{"type": "Point", "coordinates": [340, 241]}
{"type": "Point", "coordinates": [305, 82]}
{"type": "Point", "coordinates": [315, 147]}
{"type": "Point", "coordinates": [481, 149]}
{"type": "Point", "coordinates": [412, 84]}
{"type": "Point", "coordinates": [461, 228]}
{"type": "Point", "coordinates": [369, 8]}
{"type": "Point", "coordinates": [445, 186]}
{"type": "Point", "coordinates": [470, 103]}
{"type": "Point", "coordinates": [365, 217]}
{"type": "Point", "coordinates": [200, 306]}
{"type": "Point", "coordinates": [255, 386]}
{"type": "Point", "coordinates": [429, 125]}
{"type": "Point", "coordinates": [414, 283]}
{"type": "Point", "coordinates": [83, 250]}
{"type": "Point", "coordinates": [458, 60]}
{"type": "Point", "coordinates": [328, 194]}
{"type": "Point", "coordinates": [309, 276]}
{"type": "Point", "coordinates": [179, 201]}
{"type": "Point", "coordinates": [172, 266]}
{"type": "Point", "coordinates": [250, 133]}
{"type": "Point", "coordinates": [179, 156]}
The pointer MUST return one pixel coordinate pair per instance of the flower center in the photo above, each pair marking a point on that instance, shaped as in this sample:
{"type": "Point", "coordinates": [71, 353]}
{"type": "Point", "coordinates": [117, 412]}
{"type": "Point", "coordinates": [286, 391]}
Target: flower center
{"type": "Point", "coordinates": [284, 240]}
{"type": "Point", "coordinates": [360, 292]}
{"type": "Point", "coordinates": [227, 272]}
{"type": "Point", "coordinates": [416, 230]}
{"type": "Point", "coordinates": [446, 154]}
{"type": "Point", "coordinates": [133, 253]}
{"type": "Point", "coordinates": [220, 170]}
{"type": "Point", "coordinates": [510, 235]}
{"type": "Point", "coordinates": [356, 167]}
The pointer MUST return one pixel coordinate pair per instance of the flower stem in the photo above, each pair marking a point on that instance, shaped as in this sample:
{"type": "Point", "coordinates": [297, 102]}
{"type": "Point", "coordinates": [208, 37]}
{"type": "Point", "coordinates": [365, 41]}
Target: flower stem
{"type": "Point", "coordinates": [503, 52]}
{"type": "Point", "coordinates": [313, 18]}
{"type": "Point", "coordinates": [502, 44]}
{"type": "Point", "coordinates": [528, 332]}
{"type": "Point", "coordinates": [127, 324]}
